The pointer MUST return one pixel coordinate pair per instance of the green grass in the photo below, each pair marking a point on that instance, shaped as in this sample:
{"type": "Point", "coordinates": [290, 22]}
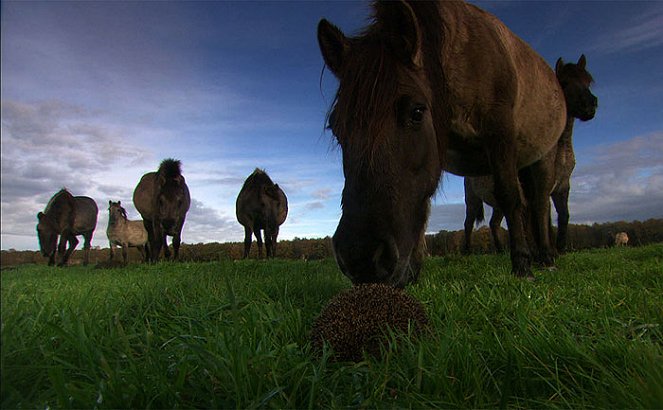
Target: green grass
{"type": "Point", "coordinates": [226, 335]}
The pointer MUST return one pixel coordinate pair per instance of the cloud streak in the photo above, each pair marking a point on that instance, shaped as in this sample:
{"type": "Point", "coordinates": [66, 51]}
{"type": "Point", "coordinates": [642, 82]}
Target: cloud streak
{"type": "Point", "coordinates": [643, 32]}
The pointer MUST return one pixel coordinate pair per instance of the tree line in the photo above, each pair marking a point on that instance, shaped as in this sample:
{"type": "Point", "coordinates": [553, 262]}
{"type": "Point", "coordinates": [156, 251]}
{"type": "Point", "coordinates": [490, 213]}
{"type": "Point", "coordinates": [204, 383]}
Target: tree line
{"type": "Point", "coordinates": [439, 244]}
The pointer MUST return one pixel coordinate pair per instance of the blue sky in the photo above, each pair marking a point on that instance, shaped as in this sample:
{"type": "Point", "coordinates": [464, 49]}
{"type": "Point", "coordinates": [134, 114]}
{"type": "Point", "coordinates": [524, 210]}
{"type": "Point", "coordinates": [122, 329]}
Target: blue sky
{"type": "Point", "coordinates": [95, 94]}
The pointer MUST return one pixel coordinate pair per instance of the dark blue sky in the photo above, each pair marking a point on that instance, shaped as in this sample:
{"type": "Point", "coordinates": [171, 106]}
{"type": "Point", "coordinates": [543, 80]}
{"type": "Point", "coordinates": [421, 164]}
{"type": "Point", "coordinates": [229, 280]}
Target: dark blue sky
{"type": "Point", "coordinates": [94, 94]}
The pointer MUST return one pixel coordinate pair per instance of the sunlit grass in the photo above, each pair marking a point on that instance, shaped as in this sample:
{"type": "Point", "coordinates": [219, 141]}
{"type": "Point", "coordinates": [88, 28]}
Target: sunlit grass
{"type": "Point", "coordinates": [235, 334]}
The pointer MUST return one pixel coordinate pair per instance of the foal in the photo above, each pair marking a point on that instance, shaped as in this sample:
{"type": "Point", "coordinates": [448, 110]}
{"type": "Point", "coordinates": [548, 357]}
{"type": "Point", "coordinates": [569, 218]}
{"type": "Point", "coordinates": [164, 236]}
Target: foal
{"type": "Point", "coordinates": [123, 232]}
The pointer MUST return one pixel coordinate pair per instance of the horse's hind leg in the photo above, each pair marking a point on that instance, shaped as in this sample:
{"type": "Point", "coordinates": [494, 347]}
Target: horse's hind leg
{"type": "Point", "coordinates": [148, 245]}
{"type": "Point", "coordinates": [87, 244]}
{"type": "Point", "coordinates": [247, 241]}
{"type": "Point", "coordinates": [259, 240]}
{"type": "Point", "coordinates": [561, 201]}
{"type": "Point", "coordinates": [495, 222]}
{"type": "Point", "coordinates": [473, 212]}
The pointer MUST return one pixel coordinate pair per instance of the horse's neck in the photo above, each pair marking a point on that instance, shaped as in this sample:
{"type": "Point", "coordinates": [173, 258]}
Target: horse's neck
{"type": "Point", "coordinates": [566, 139]}
{"type": "Point", "coordinates": [115, 220]}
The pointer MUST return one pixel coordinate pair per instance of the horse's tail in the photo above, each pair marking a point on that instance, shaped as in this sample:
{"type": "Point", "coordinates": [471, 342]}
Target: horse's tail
{"type": "Point", "coordinates": [170, 168]}
{"type": "Point", "coordinates": [479, 214]}
{"type": "Point", "coordinates": [473, 203]}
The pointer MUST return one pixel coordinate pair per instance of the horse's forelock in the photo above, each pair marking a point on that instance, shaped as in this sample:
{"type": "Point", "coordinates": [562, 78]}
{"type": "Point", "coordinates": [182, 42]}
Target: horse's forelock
{"type": "Point", "coordinates": [366, 95]}
{"type": "Point", "coordinates": [170, 168]}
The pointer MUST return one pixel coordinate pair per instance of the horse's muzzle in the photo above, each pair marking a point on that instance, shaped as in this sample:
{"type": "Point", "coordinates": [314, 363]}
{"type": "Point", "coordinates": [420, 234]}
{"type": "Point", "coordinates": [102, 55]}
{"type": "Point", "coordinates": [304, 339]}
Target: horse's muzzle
{"type": "Point", "coordinates": [369, 260]}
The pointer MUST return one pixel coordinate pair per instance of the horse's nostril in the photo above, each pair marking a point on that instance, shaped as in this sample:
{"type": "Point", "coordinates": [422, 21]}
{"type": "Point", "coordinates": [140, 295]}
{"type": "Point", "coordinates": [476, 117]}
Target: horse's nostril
{"type": "Point", "coordinates": [386, 258]}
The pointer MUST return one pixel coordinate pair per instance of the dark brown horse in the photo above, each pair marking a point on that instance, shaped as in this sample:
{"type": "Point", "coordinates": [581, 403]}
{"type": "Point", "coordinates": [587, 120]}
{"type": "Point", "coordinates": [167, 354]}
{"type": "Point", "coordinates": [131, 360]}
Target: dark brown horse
{"type": "Point", "coordinates": [261, 205]}
{"type": "Point", "coordinates": [67, 216]}
{"type": "Point", "coordinates": [557, 165]}
{"type": "Point", "coordinates": [430, 86]}
{"type": "Point", "coordinates": [162, 198]}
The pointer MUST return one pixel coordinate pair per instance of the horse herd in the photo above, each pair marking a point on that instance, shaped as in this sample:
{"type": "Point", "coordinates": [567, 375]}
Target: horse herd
{"type": "Point", "coordinates": [427, 87]}
{"type": "Point", "coordinates": [162, 198]}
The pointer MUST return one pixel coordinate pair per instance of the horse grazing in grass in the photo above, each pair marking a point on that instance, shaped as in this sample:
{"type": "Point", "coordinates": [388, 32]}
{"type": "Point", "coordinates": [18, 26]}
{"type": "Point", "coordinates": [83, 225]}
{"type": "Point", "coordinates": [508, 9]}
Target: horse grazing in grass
{"type": "Point", "coordinates": [261, 205]}
{"type": "Point", "coordinates": [621, 239]}
{"type": "Point", "coordinates": [162, 198]}
{"type": "Point", "coordinates": [67, 216]}
{"type": "Point", "coordinates": [123, 232]}
{"type": "Point", "coordinates": [427, 87]}
{"type": "Point", "coordinates": [557, 165]}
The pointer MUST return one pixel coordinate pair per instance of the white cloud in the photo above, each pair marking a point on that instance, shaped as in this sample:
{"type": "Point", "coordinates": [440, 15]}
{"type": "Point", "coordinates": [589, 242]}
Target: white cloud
{"type": "Point", "coordinates": [643, 32]}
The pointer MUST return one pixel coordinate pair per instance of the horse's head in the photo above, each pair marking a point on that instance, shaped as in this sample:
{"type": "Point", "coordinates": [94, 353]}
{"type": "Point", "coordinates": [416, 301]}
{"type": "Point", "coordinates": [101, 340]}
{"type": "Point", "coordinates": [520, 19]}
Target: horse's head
{"type": "Point", "coordinates": [116, 211]}
{"type": "Point", "coordinates": [382, 120]}
{"type": "Point", "coordinates": [575, 81]}
{"type": "Point", "coordinates": [171, 202]}
{"type": "Point", "coordinates": [47, 232]}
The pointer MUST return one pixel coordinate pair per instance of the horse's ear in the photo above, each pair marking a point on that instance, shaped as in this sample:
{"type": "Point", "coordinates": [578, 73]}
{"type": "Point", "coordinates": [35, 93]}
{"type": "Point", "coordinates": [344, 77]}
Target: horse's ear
{"type": "Point", "coordinates": [333, 45]}
{"type": "Point", "coordinates": [110, 202]}
{"type": "Point", "coordinates": [582, 62]}
{"type": "Point", "coordinates": [119, 202]}
{"type": "Point", "coordinates": [558, 65]}
{"type": "Point", "coordinates": [400, 22]}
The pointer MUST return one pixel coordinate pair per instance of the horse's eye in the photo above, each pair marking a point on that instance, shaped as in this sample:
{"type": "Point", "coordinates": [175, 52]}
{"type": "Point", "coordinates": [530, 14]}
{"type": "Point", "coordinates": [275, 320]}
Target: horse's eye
{"type": "Point", "coordinates": [417, 114]}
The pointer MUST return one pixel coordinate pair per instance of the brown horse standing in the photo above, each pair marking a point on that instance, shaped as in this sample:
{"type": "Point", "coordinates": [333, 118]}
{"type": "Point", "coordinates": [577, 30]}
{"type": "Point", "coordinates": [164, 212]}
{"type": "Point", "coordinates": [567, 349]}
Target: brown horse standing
{"type": "Point", "coordinates": [162, 198]}
{"type": "Point", "coordinates": [430, 86]}
{"type": "Point", "coordinates": [556, 166]}
{"type": "Point", "coordinates": [261, 205]}
{"type": "Point", "coordinates": [68, 216]}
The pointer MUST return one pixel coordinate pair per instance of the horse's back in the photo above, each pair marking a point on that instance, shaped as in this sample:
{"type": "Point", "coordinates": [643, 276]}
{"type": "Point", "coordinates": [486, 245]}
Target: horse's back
{"type": "Point", "coordinates": [144, 195]}
{"type": "Point", "coordinates": [86, 214]}
{"type": "Point", "coordinates": [497, 81]}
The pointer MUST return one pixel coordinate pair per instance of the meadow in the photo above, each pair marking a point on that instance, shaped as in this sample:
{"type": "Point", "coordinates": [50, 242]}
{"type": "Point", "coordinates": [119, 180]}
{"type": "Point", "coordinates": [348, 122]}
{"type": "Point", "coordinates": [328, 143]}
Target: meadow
{"type": "Point", "coordinates": [236, 335]}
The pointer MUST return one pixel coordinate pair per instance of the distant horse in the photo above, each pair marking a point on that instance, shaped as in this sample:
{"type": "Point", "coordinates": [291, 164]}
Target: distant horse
{"type": "Point", "coordinates": [430, 86]}
{"type": "Point", "coordinates": [557, 165]}
{"type": "Point", "coordinates": [68, 216]}
{"type": "Point", "coordinates": [123, 232]}
{"type": "Point", "coordinates": [621, 239]}
{"type": "Point", "coordinates": [261, 205]}
{"type": "Point", "coordinates": [162, 198]}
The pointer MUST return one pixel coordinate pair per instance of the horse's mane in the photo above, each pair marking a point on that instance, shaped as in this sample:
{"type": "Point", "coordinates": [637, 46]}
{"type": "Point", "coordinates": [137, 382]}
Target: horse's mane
{"type": "Point", "coordinates": [56, 197]}
{"type": "Point", "coordinates": [170, 168]}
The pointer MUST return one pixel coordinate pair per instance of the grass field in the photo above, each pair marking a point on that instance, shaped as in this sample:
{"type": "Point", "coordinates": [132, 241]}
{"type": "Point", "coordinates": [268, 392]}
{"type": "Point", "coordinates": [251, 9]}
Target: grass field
{"type": "Point", "coordinates": [235, 334]}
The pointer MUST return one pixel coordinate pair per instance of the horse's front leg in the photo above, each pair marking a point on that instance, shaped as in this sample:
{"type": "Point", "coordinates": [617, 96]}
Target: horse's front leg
{"type": "Point", "coordinates": [177, 240]}
{"type": "Point", "coordinates": [560, 199]}
{"type": "Point", "coordinates": [538, 180]}
{"type": "Point", "coordinates": [156, 241]}
{"type": "Point", "coordinates": [510, 200]}
{"type": "Point", "coordinates": [62, 248]}
{"type": "Point", "coordinates": [125, 253]}
{"type": "Point", "coordinates": [166, 249]}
